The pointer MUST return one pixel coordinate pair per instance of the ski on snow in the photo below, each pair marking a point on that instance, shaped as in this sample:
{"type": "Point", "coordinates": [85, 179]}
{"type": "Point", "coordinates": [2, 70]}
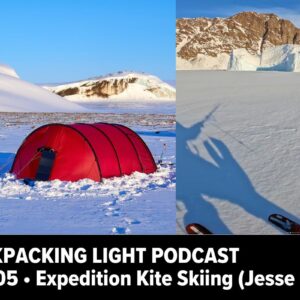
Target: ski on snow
{"type": "Point", "coordinates": [285, 223]}
{"type": "Point", "coordinates": [196, 228]}
{"type": "Point", "coordinates": [278, 220]}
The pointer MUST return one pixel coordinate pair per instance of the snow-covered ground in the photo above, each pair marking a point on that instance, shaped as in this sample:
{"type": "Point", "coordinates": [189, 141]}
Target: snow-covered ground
{"type": "Point", "coordinates": [238, 149]}
{"type": "Point", "coordinates": [134, 106]}
{"type": "Point", "coordinates": [136, 204]}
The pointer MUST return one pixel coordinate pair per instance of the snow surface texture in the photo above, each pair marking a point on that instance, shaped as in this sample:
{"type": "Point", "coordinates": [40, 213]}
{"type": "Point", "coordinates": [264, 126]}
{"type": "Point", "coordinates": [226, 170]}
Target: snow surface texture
{"type": "Point", "coordinates": [157, 107]}
{"type": "Point", "coordinates": [238, 150]}
{"type": "Point", "coordinates": [139, 90]}
{"type": "Point", "coordinates": [280, 58]}
{"type": "Point", "coordinates": [17, 95]}
{"type": "Point", "coordinates": [135, 204]}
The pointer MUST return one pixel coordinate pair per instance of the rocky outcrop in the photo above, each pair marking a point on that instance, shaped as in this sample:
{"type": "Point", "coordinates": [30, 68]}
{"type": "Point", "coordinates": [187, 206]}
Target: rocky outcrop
{"type": "Point", "coordinates": [251, 31]}
{"type": "Point", "coordinates": [68, 92]}
{"type": "Point", "coordinates": [121, 85]}
{"type": "Point", "coordinates": [107, 88]}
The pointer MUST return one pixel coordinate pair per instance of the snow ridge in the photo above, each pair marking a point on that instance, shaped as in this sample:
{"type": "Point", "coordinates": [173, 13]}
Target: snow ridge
{"type": "Point", "coordinates": [7, 70]}
{"type": "Point", "coordinates": [17, 95]}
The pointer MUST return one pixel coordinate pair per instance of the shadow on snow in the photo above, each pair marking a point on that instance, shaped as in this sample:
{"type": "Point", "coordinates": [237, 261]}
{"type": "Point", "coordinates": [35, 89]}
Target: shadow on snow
{"type": "Point", "coordinates": [224, 180]}
{"type": "Point", "coordinates": [6, 160]}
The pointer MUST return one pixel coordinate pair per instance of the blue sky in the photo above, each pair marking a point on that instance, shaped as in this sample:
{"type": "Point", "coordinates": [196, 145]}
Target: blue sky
{"type": "Point", "coordinates": [64, 40]}
{"type": "Point", "coordinates": [288, 9]}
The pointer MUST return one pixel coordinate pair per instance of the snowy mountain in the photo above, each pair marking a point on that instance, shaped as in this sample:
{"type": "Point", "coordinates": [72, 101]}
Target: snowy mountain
{"type": "Point", "coordinates": [122, 85]}
{"type": "Point", "coordinates": [17, 95]}
{"type": "Point", "coordinates": [242, 41]}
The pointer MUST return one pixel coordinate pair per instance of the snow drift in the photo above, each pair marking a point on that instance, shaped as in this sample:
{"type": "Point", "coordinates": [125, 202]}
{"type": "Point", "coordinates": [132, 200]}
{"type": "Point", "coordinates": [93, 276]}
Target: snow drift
{"type": "Point", "coordinates": [17, 95]}
{"type": "Point", "coordinates": [280, 58]}
{"type": "Point", "coordinates": [7, 70]}
{"type": "Point", "coordinates": [121, 85]}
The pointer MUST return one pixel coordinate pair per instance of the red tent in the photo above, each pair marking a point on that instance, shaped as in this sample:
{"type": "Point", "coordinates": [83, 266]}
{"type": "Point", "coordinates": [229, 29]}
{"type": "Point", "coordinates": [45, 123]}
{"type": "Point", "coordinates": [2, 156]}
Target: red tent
{"type": "Point", "coordinates": [77, 151]}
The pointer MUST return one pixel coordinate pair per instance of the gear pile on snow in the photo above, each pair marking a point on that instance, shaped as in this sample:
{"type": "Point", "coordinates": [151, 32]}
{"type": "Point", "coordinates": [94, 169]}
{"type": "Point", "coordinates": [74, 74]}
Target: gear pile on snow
{"type": "Point", "coordinates": [78, 151]}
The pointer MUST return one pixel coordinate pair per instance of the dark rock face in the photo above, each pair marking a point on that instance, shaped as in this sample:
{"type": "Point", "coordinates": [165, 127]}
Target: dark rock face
{"type": "Point", "coordinates": [248, 30]}
{"type": "Point", "coordinates": [106, 88]}
{"type": "Point", "coordinates": [68, 92]}
{"type": "Point", "coordinates": [101, 88]}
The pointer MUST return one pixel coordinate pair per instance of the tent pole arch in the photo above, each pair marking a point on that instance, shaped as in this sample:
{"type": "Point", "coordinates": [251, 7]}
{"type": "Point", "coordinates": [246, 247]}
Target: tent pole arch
{"type": "Point", "coordinates": [112, 145]}
{"type": "Point", "coordinates": [132, 144]}
{"type": "Point", "coordinates": [141, 140]}
{"type": "Point", "coordinates": [92, 148]}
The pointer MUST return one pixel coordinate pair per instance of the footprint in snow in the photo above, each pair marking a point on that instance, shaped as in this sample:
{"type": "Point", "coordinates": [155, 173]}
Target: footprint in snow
{"type": "Point", "coordinates": [85, 187]}
{"type": "Point", "coordinates": [132, 221]}
{"type": "Point", "coordinates": [120, 230]}
{"type": "Point", "coordinates": [112, 212]}
{"type": "Point", "coordinates": [124, 198]}
{"type": "Point", "coordinates": [113, 208]}
{"type": "Point", "coordinates": [109, 203]}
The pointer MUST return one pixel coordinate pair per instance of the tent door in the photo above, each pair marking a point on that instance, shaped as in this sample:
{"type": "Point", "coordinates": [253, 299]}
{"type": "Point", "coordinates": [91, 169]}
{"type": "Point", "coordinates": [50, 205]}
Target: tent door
{"type": "Point", "coordinates": [45, 164]}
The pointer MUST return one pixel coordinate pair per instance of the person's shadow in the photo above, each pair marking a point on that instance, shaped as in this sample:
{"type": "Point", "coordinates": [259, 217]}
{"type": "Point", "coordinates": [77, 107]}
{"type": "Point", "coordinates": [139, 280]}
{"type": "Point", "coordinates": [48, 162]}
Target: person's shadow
{"type": "Point", "coordinates": [224, 179]}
